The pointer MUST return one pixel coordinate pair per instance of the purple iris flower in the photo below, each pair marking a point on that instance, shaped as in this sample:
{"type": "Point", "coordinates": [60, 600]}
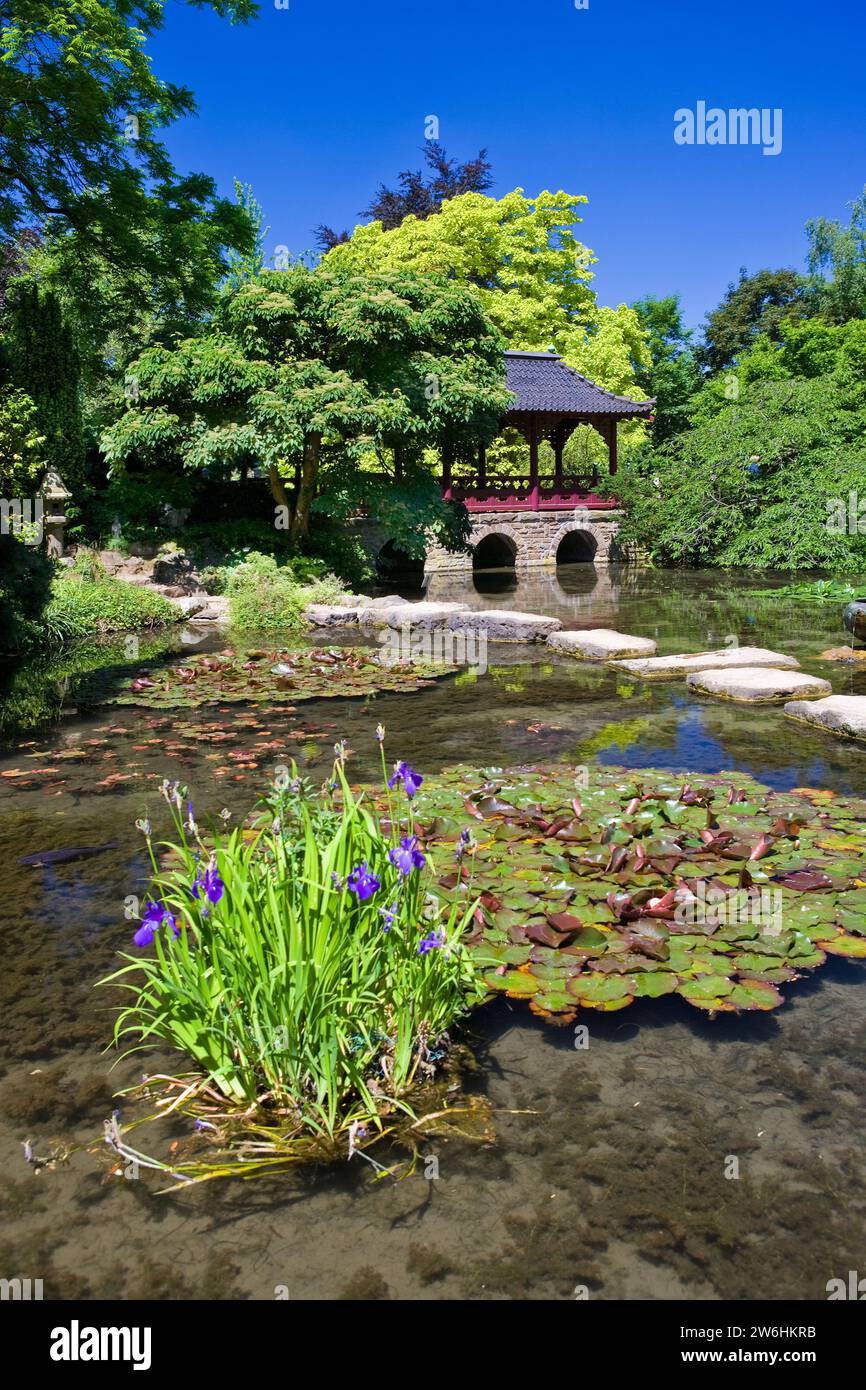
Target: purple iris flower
{"type": "Point", "coordinates": [362, 882]}
{"type": "Point", "coordinates": [430, 943]}
{"type": "Point", "coordinates": [211, 885]}
{"type": "Point", "coordinates": [408, 856]}
{"type": "Point", "coordinates": [155, 915]}
{"type": "Point", "coordinates": [389, 913]}
{"type": "Point", "coordinates": [408, 776]}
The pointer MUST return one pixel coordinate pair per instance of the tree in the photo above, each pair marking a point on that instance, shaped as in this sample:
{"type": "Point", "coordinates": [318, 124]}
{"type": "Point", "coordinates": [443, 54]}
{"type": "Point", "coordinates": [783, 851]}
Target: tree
{"type": "Point", "coordinates": [841, 251]}
{"type": "Point", "coordinates": [417, 196]}
{"type": "Point", "coordinates": [672, 375]}
{"type": "Point", "coordinates": [81, 162]}
{"type": "Point", "coordinates": [758, 303]}
{"type": "Point", "coordinates": [44, 363]}
{"type": "Point", "coordinates": [306, 370]}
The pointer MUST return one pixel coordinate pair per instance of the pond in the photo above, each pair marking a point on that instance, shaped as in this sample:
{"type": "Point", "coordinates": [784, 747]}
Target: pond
{"type": "Point", "coordinates": [611, 1171]}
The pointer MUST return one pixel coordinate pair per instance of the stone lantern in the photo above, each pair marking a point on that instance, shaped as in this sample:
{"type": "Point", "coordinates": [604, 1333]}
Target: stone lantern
{"type": "Point", "coordinates": [54, 494]}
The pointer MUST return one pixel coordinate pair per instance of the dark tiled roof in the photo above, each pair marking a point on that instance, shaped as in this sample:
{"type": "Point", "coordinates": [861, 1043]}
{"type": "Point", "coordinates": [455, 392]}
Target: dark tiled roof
{"type": "Point", "coordinates": [541, 382]}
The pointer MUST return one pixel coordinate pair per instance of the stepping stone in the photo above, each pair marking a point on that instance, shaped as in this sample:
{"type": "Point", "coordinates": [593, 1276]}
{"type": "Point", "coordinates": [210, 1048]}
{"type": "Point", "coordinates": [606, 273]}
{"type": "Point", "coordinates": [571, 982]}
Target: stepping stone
{"type": "Point", "coordinates": [601, 644]}
{"type": "Point", "coordinates": [850, 655]}
{"type": "Point", "coordinates": [757, 685]}
{"type": "Point", "coordinates": [331, 614]}
{"type": "Point", "coordinates": [421, 617]}
{"type": "Point", "coordinates": [504, 625]}
{"type": "Point", "coordinates": [844, 715]}
{"type": "Point", "coordinates": [666, 668]}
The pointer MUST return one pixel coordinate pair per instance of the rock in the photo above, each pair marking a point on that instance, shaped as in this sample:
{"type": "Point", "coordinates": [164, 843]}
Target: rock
{"type": "Point", "coordinates": [111, 561]}
{"type": "Point", "coordinates": [854, 618]}
{"type": "Point", "coordinates": [848, 654]}
{"type": "Point", "coordinates": [331, 614]}
{"type": "Point", "coordinates": [844, 715]}
{"type": "Point", "coordinates": [418, 616]}
{"type": "Point", "coordinates": [215, 609]}
{"type": "Point", "coordinates": [385, 601]}
{"type": "Point", "coordinates": [190, 604]}
{"type": "Point", "coordinates": [504, 625]}
{"type": "Point", "coordinates": [175, 568]}
{"type": "Point", "coordinates": [601, 644]}
{"type": "Point", "coordinates": [664, 668]}
{"type": "Point", "coordinates": [757, 684]}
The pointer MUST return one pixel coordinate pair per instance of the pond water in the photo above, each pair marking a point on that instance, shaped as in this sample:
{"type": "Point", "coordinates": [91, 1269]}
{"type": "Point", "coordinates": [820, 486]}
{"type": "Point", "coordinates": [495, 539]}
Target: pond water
{"type": "Point", "coordinates": [609, 1167]}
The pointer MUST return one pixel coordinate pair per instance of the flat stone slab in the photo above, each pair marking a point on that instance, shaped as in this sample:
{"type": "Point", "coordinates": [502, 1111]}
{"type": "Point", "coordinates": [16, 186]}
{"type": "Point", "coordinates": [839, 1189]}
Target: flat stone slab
{"type": "Point", "coordinates": [601, 644]}
{"type": "Point", "coordinates": [757, 685]}
{"type": "Point", "coordinates": [504, 625]}
{"type": "Point", "coordinates": [844, 715]}
{"type": "Point", "coordinates": [331, 614]}
{"type": "Point", "coordinates": [666, 668]}
{"type": "Point", "coordinates": [418, 616]}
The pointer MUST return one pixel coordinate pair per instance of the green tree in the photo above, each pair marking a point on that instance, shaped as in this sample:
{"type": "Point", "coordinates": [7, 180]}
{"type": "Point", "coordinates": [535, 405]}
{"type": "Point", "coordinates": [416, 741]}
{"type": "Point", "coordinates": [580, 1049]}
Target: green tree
{"type": "Point", "coordinates": [672, 376]}
{"type": "Point", "coordinates": [81, 161]}
{"type": "Point", "coordinates": [756, 304]}
{"type": "Point", "coordinates": [44, 364]}
{"type": "Point", "coordinates": [837, 254]}
{"type": "Point", "coordinates": [306, 371]}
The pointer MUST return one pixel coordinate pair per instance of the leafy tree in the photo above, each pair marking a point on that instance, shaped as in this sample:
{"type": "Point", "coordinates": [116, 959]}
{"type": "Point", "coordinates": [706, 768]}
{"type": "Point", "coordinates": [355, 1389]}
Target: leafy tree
{"type": "Point", "coordinates": [672, 375]}
{"type": "Point", "coordinates": [756, 304]}
{"type": "Point", "coordinates": [841, 252]}
{"type": "Point", "coordinates": [44, 363]}
{"type": "Point", "coordinates": [22, 447]}
{"type": "Point", "coordinates": [417, 195]}
{"type": "Point", "coordinates": [82, 162]}
{"type": "Point", "coordinates": [306, 370]}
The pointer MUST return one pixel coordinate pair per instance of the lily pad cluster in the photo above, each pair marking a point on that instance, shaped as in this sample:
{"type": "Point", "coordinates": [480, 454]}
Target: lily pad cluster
{"type": "Point", "coordinates": [640, 885]}
{"type": "Point", "coordinates": [260, 676]}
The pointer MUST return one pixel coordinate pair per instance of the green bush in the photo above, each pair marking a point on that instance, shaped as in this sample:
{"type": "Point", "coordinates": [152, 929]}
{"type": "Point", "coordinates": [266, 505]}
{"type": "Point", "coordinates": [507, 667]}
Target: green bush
{"type": "Point", "coordinates": [25, 588]}
{"type": "Point", "coordinates": [265, 596]}
{"type": "Point", "coordinates": [82, 606]}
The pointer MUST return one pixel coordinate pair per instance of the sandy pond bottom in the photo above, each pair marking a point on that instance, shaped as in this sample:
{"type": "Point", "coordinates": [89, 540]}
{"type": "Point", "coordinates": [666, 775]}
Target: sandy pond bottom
{"type": "Point", "coordinates": [617, 1181]}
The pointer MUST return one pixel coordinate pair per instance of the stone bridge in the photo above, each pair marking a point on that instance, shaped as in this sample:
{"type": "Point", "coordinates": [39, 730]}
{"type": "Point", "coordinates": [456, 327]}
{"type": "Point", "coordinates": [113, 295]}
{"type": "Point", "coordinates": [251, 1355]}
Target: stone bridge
{"type": "Point", "coordinates": [522, 539]}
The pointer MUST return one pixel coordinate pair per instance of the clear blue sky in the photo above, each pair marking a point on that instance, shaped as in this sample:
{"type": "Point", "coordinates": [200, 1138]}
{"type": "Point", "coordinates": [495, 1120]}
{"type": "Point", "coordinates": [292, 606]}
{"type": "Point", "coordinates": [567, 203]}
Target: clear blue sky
{"type": "Point", "coordinates": [316, 104]}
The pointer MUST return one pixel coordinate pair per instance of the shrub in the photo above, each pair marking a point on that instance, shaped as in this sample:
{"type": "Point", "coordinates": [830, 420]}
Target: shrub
{"type": "Point", "coordinates": [307, 965]}
{"type": "Point", "coordinates": [82, 606]}
{"type": "Point", "coordinates": [265, 596]}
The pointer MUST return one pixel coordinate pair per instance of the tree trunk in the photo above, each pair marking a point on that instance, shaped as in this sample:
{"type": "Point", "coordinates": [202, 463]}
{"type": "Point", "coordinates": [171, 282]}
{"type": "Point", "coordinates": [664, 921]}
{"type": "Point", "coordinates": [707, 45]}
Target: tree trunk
{"type": "Point", "coordinates": [307, 490]}
{"type": "Point", "coordinates": [278, 488]}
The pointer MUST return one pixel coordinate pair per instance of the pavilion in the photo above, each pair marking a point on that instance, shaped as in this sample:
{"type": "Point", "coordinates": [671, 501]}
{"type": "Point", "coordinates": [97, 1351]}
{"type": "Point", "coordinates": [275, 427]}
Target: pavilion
{"type": "Point", "coordinates": [550, 401]}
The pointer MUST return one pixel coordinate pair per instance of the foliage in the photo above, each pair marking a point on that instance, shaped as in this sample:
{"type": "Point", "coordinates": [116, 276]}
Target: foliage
{"type": "Point", "coordinates": [259, 677]}
{"type": "Point", "coordinates": [81, 606]}
{"type": "Point", "coordinates": [81, 159]}
{"type": "Point", "coordinates": [417, 196]}
{"type": "Point", "coordinates": [841, 251]}
{"type": "Point", "coordinates": [303, 365]}
{"type": "Point", "coordinates": [44, 364]}
{"type": "Point", "coordinates": [809, 591]}
{"type": "Point", "coordinates": [411, 512]}
{"type": "Point", "coordinates": [25, 588]}
{"type": "Point", "coordinates": [307, 967]}
{"type": "Point", "coordinates": [265, 596]}
{"type": "Point", "coordinates": [756, 481]}
{"type": "Point", "coordinates": [22, 447]}
{"type": "Point", "coordinates": [756, 304]}
{"type": "Point", "coordinates": [642, 886]}
{"type": "Point", "coordinates": [672, 376]}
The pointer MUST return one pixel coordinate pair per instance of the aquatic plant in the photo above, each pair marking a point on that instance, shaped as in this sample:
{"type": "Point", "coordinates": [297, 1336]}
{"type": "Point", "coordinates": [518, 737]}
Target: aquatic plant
{"type": "Point", "coordinates": [305, 963]}
{"type": "Point", "coordinates": [278, 677]}
{"type": "Point", "coordinates": [642, 885]}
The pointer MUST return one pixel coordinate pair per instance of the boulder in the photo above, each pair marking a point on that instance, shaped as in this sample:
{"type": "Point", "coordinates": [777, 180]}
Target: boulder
{"type": "Point", "coordinates": [601, 644]}
{"type": "Point", "coordinates": [421, 617]}
{"type": "Point", "coordinates": [504, 625]}
{"type": "Point", "coordinates": [854, 618]}
{"type": "Point", "coordinates": [849, 655]}
{"type": "Point", "coordinates": [665, 668]}
{"type": "Point", "coordinates": [331, 614]}
{"type": "Point", "coordinates": [757, 685]}
{"type": "Point", "coordinates": [843, 715]}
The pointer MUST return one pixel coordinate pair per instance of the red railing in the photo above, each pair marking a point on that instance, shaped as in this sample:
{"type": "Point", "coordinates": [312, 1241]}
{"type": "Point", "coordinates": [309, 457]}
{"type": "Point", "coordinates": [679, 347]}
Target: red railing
{"type": "Point", "coordinates": [515, 492]}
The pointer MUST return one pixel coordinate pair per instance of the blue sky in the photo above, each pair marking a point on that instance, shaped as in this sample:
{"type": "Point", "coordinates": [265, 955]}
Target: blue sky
{"type": "Point", "coordinates": [314, 105]}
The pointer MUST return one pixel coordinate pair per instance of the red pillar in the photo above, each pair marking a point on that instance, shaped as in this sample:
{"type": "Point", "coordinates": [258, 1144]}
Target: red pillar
{"type": "Point", "coordinates": [534, 492]}
{"type": "Point", "coordinates": [611, 448]}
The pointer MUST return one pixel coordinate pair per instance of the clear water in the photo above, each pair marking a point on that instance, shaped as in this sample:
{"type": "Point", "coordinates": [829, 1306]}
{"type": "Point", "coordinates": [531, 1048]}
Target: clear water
{"type": "Point", "coordinates": [616, 1179]}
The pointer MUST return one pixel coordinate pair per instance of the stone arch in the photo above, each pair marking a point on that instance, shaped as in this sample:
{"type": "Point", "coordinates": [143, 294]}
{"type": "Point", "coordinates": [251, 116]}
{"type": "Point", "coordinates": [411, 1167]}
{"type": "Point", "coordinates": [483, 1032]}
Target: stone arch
{"type": "Point", "coordinates": [488, 540]}
{"type": "Point", "coordinates": [599, 533]}
{"type": "Point", "coordinates": [394, 565]}
{"type": "Point", "coordinates": [577, 547]}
